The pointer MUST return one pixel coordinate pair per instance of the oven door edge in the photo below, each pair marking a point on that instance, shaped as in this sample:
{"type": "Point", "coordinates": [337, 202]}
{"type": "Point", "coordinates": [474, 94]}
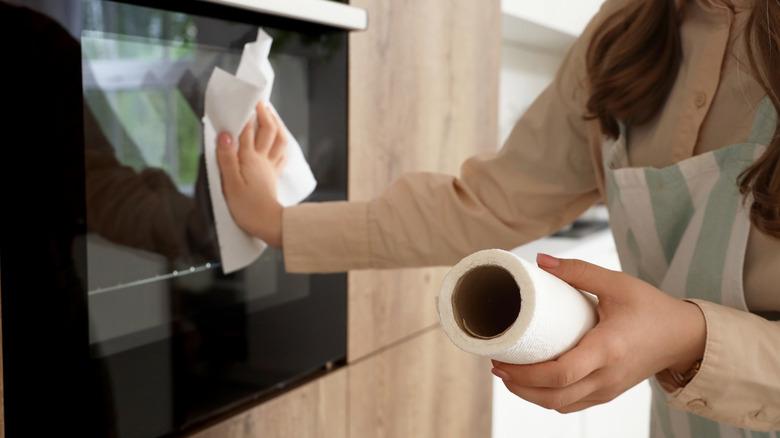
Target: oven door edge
{"type": "Point", "coordinates": [316, 11]}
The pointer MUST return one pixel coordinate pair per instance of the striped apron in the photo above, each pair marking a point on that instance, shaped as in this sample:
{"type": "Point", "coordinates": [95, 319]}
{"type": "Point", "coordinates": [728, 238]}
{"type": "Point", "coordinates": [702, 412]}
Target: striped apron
{"type": "Point", "coordinates": [684, 228]}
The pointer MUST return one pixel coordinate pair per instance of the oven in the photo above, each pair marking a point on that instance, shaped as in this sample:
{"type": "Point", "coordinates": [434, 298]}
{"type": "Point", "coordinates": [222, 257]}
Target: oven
{"type": "Point", "coordinates": [117, 320]}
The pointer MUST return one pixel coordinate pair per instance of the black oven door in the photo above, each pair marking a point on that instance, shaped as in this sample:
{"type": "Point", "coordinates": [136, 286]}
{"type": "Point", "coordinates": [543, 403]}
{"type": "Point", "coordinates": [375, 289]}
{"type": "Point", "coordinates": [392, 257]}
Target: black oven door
{"type": "Point", "coordinates": [116, 318]}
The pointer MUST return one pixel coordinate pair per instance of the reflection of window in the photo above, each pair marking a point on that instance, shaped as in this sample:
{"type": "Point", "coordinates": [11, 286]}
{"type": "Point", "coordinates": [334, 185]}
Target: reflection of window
{"type": "Point", "coordinates": [176, 28]}
{"type": "Point", "coordinates": [132, 88]}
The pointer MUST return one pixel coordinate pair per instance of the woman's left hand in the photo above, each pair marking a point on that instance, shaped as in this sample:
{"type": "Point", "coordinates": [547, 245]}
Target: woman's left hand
{"type": "Point", "coordinates": [640, 332]}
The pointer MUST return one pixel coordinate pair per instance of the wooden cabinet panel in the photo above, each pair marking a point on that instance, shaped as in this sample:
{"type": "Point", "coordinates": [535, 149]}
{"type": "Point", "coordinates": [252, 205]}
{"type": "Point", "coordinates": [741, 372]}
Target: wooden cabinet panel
{"type": "Point", "coordinates": [386, 306]}
{"type": "Point", "coordinates": [423, 97]}
{"type": "Point", "coordinates": [424, 387]}
{"type": "Point", "coordinates": [315, 410]}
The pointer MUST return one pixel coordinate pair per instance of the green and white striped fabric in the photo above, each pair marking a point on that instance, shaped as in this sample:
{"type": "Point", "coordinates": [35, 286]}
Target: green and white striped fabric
{"type": "Point", "coordinates": [684, 228]}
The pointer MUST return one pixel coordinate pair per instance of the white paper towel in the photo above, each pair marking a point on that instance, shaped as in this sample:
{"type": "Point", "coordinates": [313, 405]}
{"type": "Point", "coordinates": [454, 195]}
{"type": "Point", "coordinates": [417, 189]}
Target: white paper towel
{"type": "Point", "coordinates": [551, 319]}
{"type": "Point", "coordinates": [230, 105]}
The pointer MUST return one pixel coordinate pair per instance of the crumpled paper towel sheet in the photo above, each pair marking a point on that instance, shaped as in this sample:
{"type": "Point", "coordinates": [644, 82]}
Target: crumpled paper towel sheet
{"type": "Point", "coordinates": [230, 105]}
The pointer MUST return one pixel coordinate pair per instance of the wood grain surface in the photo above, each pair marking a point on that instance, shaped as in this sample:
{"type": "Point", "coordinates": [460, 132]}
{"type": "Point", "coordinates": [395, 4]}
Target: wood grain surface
{"type": "Point", "coordinates": [423, 97]}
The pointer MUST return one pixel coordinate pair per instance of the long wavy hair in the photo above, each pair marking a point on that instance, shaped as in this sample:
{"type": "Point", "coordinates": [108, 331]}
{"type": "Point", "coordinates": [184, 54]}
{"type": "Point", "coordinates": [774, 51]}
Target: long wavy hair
{"type": "Point", "coordinates": [642, 40]}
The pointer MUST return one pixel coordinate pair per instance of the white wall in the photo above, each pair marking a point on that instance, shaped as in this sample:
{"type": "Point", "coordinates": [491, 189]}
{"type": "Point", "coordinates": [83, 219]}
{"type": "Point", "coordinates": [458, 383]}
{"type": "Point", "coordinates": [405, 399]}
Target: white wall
{"type": "Point", "coordinates": [525, 72]}
{"type": "Point", "coordinates": [567, 16]}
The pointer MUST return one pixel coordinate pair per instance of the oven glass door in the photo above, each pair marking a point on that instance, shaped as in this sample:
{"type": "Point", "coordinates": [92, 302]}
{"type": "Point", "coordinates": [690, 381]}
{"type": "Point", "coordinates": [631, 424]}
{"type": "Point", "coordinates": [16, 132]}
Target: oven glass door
{"type": "Point", "coordinates": [173, 342]}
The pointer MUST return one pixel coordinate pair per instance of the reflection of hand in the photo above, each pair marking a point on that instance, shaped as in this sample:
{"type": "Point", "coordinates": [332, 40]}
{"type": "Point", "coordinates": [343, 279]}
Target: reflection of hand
{"type": "Point", "coordinates": [641, 331]}
{"type": "Point", "coordinates": [249, 174]}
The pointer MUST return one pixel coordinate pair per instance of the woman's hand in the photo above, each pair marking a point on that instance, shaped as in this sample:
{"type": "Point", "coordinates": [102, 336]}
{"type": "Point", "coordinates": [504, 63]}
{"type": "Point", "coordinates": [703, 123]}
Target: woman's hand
{"type": "Point", "coordinates": [249, 174]}
{"type": "Point", "coordinates": [641, 331]}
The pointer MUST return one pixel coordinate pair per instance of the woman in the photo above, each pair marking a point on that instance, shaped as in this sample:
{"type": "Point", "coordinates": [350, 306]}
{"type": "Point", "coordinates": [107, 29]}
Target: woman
{"type": "Point", "coordinates": [665, 109]}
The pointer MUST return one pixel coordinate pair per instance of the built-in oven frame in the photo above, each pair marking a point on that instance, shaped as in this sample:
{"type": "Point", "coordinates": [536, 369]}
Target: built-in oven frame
{"type": "Point", "coordinates": [46, 369]}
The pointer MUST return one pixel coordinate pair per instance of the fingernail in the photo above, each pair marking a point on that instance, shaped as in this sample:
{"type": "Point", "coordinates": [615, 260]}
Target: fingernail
{"type": "Point", "coordinates": [225, 140]}
{"type": "Point", "coordinates": [547, 261]}
{"type": "Point", "coordinates": [501, 374]}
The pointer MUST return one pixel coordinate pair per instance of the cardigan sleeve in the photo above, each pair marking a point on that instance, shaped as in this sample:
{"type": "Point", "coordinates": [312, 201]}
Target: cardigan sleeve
{"type": "Point", "coordinates": [738, 382]}
{"type": "Point", "coordinates": [543, 177]}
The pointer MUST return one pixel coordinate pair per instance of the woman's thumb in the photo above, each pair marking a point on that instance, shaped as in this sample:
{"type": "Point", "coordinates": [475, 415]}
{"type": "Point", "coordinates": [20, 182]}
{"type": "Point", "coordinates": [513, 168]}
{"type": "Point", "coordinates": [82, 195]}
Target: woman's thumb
{"type": "Point", "coordinates": [582, 275]}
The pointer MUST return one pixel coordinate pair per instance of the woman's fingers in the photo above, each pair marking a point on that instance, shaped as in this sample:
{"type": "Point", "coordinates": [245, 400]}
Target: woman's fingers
{"type": "Point", "coordinates": [573, 366]}
{"type": "Point", "coordinates": [246, 151]}
{"type": "Point", "coordinates": [278, 148]}
{"type": "Point", "coordinates": [266, 138]}
{"type": "Point", "coordinates": [579, 406]}
{"type": "Point", "coordinates": [266, 129]}
{"type": "Point", "coordinates": [227, 156]}
{"type": "Point", "coordinates": [602, 282]}
{"type": "Point", "coordinates": [280, 162]}
{"type": "Point", "coordinates": [556, 398]}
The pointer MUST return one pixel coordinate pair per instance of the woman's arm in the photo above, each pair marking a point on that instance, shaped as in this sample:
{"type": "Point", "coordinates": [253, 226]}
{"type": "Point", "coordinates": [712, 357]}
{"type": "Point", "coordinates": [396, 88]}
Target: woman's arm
{"type": "Point", "coordinates": [541, 180]}
{"type": "Point", "coordinates": [544, 176]}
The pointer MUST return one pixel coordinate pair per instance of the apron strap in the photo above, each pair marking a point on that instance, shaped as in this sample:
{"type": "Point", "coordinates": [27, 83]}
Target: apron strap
{"type": "Point", "coordinates": [764, 124]}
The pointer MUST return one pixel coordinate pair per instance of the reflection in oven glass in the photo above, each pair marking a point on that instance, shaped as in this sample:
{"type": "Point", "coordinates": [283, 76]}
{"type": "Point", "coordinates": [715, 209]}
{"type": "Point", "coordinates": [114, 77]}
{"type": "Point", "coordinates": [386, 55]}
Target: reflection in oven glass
{"type": "Point", "coordinates": [158, 303]}
{"type": "Point", "coordinates": [130, 299]}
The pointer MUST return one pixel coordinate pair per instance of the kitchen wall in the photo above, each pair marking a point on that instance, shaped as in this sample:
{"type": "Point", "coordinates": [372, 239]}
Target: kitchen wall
{"type": "Point", "coordinates": [536, 36]}
{"type": "Point", "coordinates": [525, 72]}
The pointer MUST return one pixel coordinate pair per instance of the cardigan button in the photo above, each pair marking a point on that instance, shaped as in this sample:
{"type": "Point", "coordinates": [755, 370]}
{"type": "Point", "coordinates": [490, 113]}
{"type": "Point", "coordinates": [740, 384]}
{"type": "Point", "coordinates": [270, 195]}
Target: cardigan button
{"type": "Point", "coordinates": [700, 100]}
{"type": "Point", "coordinates": [697, 404]}
{"type": "Point", "coordinates": [764, 414]}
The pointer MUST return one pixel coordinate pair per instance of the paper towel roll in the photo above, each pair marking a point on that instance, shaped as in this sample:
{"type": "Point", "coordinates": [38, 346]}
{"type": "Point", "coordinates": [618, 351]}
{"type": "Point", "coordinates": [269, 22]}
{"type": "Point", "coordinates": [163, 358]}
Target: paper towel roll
{"type": "Point", "coordinates": [495, 304]}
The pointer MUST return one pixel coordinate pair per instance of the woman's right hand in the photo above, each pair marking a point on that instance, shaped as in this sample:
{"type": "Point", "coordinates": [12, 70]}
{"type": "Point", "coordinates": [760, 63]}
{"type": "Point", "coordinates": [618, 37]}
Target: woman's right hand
{"type": "Point", "coordinates": [249, 173]}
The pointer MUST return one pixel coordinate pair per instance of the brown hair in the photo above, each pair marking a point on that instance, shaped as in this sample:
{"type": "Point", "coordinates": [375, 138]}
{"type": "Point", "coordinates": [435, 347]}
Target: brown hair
{"type": "Point", "coordinates": [642, 40]}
